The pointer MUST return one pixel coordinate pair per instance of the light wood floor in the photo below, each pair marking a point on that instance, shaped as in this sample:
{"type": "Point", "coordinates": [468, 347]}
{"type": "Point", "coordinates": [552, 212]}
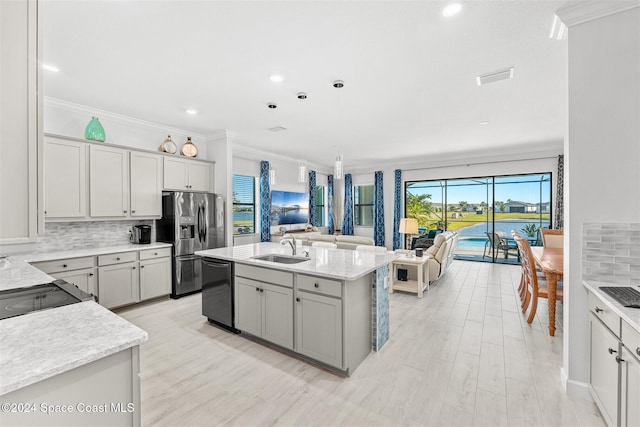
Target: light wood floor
{"type": "Point", "coordinates": [464, 355]}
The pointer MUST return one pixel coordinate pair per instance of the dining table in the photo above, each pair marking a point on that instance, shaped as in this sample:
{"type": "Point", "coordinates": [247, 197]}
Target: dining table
{"type": "Point", "coordinates": [551, 262]}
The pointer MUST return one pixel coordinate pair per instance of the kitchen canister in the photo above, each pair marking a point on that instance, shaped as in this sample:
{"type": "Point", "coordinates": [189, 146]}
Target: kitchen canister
{"type": "Point", "coordinates": [94, 130]}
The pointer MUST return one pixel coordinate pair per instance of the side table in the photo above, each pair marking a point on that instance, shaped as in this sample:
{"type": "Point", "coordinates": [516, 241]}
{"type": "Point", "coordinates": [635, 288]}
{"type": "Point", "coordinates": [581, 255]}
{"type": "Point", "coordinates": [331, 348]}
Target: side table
{"type": "Point", "coordinates": [416, 286]}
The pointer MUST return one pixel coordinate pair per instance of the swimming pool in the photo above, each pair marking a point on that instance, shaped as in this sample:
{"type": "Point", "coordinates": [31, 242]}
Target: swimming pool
{"type": "Point", "coordinates": [471, 242]}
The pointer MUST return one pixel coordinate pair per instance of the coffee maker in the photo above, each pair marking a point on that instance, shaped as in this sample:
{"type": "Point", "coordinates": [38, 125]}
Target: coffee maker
{"type": "Point", "coordinates": [141, 234]}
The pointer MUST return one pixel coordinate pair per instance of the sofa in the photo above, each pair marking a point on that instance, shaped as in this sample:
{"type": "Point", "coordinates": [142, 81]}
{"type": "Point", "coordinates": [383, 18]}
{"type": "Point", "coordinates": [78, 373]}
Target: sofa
{"type": "Point", "coordinates": [439, 255]}
{"type": "Point", "coordinates": [342, 242]}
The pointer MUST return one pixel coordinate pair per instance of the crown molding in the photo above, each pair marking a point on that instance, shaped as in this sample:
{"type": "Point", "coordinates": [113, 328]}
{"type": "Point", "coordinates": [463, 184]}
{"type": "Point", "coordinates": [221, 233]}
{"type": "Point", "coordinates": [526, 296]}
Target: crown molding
{"type": "Point", "coordinates": [79, 108]}
{"type": "Point", "coordinates": [575, 14]}
{"type": "Point", "coordinates": [250, 153]}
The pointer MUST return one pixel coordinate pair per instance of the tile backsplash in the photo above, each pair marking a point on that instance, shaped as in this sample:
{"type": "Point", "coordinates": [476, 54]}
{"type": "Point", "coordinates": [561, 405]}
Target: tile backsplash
{"type": "Point", "coordinates": [611, 252]}
{"type": "Point", "coordinates": [91, 234]}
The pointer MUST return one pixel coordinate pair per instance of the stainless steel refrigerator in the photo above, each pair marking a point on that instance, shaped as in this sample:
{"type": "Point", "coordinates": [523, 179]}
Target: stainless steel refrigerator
{"type": "Point", "coordinates": [191, 222]}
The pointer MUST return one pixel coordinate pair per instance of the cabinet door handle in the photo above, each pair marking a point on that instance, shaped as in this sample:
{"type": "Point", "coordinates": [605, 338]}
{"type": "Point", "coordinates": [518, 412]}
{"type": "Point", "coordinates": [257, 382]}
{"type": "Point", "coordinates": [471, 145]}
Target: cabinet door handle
{"type": "Point", "coordinates": [90, 274]}
{"type": "Point", "coordinates": [118, 259]}
{"type": "Point", "coordinates": [257, 289]}
{"type": "Point", "coordinates": [64, 265]}
{"type": "Point", "coordinates": [316, 285]}
{"type": "Point", "coordinates": [133, 211]}
{"type": "Point", "coordinates": [155, 253]}
{"type": "Point", "coordinates": [298, 299]}
{"type": "Point", "coordinates": [598, 309]}
{"type": "Point", "coordinates": [134, 268]}
{"type": "Point", "coordinates": [142, 266]}
{"type": "Point", "coordinates": [261, 290]}
{"type": "Point", "coordinates": [619, 359]}
{"type": "Point", "coordinates": [611, 351]}
{"type": "Point", "coordinates": [124, 211]}
{"type": "Point", "coordinates": [638, 351]}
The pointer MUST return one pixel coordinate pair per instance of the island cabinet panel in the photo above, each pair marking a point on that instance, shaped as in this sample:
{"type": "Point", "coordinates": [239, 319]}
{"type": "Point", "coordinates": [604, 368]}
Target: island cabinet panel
{"type": "Point", "coordinates": [319, 328]}
{"type": "Point", "coordinates": [105, 392]}
{"type": "Point", "coordinates": [268, 275]}
{"type": "Point", "coordinates": [265, 310]}
{"type": "Point", "coordinates": [248, 306]}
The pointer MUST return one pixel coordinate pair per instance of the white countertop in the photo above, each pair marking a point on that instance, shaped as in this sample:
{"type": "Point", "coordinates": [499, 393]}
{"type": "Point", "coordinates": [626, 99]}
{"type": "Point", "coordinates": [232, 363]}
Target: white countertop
{"type": "Point", "coordinates": [343, 264]}
{"type": "Point", "coordinates": [629, 315]}
{"type": "Point", "coordinates": [39, 345]}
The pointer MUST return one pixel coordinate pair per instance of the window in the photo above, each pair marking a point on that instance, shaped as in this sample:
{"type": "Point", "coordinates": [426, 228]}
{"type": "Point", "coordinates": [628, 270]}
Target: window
{"type": "Point", "coordinates": [363, 205]}
{"type": "Point", "coordinates": [244, 204]}
{"type": "Point", "coordinates": [319, 206]}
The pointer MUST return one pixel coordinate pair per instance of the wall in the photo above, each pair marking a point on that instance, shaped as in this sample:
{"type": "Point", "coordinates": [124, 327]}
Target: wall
{"type": "Point", "coordinates": [602, 152]}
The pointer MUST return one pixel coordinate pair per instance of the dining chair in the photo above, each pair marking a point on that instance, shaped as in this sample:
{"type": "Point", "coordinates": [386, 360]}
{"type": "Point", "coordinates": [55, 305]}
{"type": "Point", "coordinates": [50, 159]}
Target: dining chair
{"type": "Point", "coordinates": [552, 238]}
{"type": "Point", "coordinates": [536, 287]}
{"type": "Point", "coordinates": [496, 243]}
{"type": "Point", "coordinates": [324, 245]}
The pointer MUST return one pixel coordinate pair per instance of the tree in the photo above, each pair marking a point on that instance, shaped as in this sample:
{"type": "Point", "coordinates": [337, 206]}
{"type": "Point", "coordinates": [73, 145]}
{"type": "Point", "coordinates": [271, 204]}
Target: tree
{"type": "Point", "coordinates": [419, 206]}
{"type": "Point", "coordinates": [501, 206]}
{"type": "Point", "coordinates": [463, 205]}
{"type": "Point", "coordinates": [483, 206]}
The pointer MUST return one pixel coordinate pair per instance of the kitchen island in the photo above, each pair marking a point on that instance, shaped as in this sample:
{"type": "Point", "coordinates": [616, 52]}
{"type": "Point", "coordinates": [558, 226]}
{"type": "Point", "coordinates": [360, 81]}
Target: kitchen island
{"type": "Point", "coordinates": [73, 365]}
{"type": "Point", "coordinates": [326, 305]}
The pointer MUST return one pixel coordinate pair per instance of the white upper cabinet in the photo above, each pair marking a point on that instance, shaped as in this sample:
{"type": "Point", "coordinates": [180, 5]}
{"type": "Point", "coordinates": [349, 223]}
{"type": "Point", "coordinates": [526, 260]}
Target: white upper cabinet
{"type": "Point", "coordinates": [182, 174]}
{"type": "Point", "coordinates": [146, 184]}
{"type": "Point", "coordinates": [108, 181]}
{"type": "Point", "coordinates": [21, 207]}
{"type": "Point", "coordinates": [65, 178]}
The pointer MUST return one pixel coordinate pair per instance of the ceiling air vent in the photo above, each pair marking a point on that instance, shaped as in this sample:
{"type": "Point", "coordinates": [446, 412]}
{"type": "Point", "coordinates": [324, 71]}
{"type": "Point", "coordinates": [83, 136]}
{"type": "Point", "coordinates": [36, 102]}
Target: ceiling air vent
{"type": "Point", "coordinates": [495, 76]}
{"type": "Point", "coordinates": [277, 129]}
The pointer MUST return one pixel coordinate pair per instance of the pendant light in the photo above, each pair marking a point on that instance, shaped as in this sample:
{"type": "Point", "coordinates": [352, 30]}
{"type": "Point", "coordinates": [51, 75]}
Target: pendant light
{"type": "Point", "coordinates": [302, 171]}
{"type": "Point", "coordinates": [338, 169]}
{"type": "Point", "coordinates": [272, 175]}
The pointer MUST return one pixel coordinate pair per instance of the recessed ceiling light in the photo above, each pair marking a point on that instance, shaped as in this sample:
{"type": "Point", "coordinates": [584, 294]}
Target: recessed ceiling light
{"type": "Point", "coordinates": [485, 122]}
{"type": "Point", "coordinates": [302, 95]}
{"type": "Point", "coordinates": [452, 9]}
{"type": "Point", "coordinates": [50, 67]}
{"type": "Point", "coordinates": [191, 111]}
{"type": "Point", "coordinates": [277, 129]}
{"type": "Point", "coordinates": [338, 84]}
{"type": "Point", "coordinates": [276, 78]}
{"type": "Point", "coordinates": [272, 105]}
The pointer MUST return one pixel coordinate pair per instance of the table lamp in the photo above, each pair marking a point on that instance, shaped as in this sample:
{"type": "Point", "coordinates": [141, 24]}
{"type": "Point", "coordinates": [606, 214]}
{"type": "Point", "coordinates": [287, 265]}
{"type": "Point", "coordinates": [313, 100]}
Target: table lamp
{"type": "Point", "coordinates": [408, 226]}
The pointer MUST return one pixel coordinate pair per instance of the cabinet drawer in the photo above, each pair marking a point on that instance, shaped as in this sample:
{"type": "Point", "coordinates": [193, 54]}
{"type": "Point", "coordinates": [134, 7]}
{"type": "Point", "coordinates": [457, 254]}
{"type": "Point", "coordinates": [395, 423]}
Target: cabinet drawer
{"type": "Point", "coordinates": [277, 277]}
{"type": "Point", "coordinates": [64, 264]}
{"type": "Point", "coordinates": [631, 339]}
{"type": "Point", "coordinates": [117, 258]}
{"type": "Point", "coordinates": [604, 313]}
{"type": "Point", "coordinates": [155, 253]}
{"type": "Point", "coordinates": [322, 286]}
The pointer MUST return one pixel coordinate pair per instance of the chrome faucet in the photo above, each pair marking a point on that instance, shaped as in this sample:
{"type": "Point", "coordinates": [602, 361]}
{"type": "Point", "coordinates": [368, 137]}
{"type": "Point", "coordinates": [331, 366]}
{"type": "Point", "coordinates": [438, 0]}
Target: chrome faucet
{"type": "Point", "coordinates": [291, 242]}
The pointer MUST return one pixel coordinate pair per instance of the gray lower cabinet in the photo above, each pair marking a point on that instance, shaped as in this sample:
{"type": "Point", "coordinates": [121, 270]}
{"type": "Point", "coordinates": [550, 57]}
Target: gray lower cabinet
{"type": "Point", "coordinates": [84, 279]}
{"type": "Point", "coordinates": [104, 392]}
{"type": "Point", "coordinates": [265, 310]}
{"type": "Point", "coordinates": [319, 327]}
{"type": "Point", "coordinates": [119, 284]}
{"type": "Point", "coordinates": [155, 277]}
{"type": "Point", "coordinates": [79, 271]}
{"type": "Point", "coordinates": [614, 379]}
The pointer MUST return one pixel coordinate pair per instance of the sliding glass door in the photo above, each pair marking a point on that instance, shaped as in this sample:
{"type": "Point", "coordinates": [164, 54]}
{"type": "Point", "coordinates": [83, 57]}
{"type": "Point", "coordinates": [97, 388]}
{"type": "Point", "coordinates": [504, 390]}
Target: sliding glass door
{"type": "Point", "coordinates": [483, 210]}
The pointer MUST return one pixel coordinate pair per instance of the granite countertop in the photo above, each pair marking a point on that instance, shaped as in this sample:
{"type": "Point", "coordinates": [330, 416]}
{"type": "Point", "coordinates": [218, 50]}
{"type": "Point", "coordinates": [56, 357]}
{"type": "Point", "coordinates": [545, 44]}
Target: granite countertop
{"type": "Point", "coordinates": [343, 264]}
{"type": "Point", "coordinates": [17, 273]}
{"type": "Point", "coordinates": [42, 344]}
{"type": "Point", "coordinates": [629, 315]}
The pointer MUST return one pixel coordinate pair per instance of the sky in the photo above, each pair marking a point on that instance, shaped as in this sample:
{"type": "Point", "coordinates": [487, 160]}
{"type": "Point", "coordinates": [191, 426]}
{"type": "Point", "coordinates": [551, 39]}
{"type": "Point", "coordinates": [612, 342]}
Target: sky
{"type": "Point", "coordinates": [522, 188]}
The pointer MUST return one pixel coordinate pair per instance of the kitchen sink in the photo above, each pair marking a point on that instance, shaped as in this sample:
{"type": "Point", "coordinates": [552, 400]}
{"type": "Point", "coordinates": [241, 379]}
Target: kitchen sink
{"type": "Point", "coordinates": [282, 259]}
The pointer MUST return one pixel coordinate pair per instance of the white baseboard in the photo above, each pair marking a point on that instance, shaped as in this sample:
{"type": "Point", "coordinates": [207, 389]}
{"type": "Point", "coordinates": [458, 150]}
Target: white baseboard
{"type": "Point", "coordinates": [574, 388]}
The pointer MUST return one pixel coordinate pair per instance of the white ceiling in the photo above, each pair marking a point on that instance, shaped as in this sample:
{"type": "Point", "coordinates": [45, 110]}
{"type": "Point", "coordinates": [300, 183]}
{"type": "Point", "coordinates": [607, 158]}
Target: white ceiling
{"type": "Point", "coordinates": [410, 89]}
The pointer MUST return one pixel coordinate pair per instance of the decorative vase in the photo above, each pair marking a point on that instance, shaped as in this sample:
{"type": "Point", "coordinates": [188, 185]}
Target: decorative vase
{"type": "Point", "coordinates": [94, 130]}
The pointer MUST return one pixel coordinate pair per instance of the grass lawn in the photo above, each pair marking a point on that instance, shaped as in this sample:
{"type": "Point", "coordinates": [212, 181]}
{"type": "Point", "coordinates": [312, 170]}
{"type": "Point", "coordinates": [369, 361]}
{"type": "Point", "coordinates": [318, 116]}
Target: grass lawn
{"type": "Point", "coordinates": [472, 218]}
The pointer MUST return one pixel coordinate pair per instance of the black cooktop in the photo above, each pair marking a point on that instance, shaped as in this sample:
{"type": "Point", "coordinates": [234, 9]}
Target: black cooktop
{"type": "Point", "coordinates": [16, 302]}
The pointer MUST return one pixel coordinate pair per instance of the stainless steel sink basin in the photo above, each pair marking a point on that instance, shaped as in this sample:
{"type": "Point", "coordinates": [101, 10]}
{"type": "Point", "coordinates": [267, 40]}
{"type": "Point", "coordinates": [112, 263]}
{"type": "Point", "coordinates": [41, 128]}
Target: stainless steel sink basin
{"type": "Point", "coordinates": [282, 259]}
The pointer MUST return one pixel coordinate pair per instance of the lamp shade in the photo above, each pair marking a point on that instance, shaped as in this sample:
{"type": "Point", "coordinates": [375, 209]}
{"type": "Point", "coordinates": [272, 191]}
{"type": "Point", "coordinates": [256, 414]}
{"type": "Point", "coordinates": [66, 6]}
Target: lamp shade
{"type": "Point", "coordinates": [408, 226]}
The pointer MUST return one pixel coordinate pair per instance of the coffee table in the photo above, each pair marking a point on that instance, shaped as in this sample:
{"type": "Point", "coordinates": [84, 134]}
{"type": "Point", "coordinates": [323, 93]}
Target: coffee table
{"type": "Point", "coordinates": [416, 286]}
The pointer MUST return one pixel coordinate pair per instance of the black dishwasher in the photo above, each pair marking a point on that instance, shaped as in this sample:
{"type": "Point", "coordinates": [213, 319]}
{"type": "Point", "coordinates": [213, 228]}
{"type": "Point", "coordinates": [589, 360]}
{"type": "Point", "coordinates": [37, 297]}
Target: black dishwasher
{"type": "Point", "coordinates": [217, 292]}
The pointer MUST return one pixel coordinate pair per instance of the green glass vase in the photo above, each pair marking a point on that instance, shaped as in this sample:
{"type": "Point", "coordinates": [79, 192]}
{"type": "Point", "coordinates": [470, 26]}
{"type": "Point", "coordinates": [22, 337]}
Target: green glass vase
{"type": "Point", "coordinates": [94, 130]}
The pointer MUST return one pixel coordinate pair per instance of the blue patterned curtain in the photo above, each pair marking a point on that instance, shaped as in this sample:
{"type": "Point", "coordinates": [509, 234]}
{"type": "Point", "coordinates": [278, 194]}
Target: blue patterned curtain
{"type": "Point", "coordinates": [312, 198]}
{"type": "Point", "coordinates": [378, 209]}
{"type": "Point", "coordinates": [347, 224]}
{"type": "Point", "coordinates": [265, 202]}
{"type": "Point", "coordinates": [397, 209]}
{"type": "Point", "coordinates": [330, 204]}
